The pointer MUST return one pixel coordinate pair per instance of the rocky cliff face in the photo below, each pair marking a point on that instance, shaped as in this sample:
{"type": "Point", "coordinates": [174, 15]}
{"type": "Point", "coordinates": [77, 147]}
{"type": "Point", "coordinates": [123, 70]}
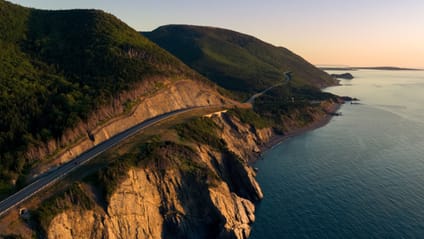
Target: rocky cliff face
{"type": "Point", "coordinates": [210, 197]}
{"type": "Point", "coordinates": [168, 95]}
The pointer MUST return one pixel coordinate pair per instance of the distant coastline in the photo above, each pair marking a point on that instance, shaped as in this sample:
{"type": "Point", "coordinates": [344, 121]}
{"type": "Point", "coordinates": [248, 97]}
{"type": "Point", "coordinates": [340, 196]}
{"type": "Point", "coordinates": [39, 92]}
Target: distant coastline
{"type": "Point", "coordinates": [382, 68]}
{"type": "Point", "coordinates": [346, 76]}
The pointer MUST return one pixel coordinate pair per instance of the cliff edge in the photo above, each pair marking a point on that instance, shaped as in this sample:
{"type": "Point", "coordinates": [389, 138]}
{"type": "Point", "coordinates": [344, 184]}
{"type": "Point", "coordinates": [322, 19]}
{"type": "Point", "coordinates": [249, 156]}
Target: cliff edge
{"type": "Point", "coordinates": [178, 191]}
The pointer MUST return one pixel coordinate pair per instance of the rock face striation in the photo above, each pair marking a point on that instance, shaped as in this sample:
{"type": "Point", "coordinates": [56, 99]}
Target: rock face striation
{"type": "Point", "coordinates": [165, 200]}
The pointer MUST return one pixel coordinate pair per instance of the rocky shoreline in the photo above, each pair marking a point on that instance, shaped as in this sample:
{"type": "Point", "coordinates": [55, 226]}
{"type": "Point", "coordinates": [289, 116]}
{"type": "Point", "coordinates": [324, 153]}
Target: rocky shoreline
{"type": "Point", "coordinates": [276, 139]}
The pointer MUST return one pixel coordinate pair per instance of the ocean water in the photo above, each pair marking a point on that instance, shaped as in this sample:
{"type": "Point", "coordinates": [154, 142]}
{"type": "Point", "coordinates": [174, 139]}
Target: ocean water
{"type": "Point", "coordinates": [360, 176]}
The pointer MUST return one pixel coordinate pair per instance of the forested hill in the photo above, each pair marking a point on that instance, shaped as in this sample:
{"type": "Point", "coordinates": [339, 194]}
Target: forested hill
{"type": "Point", "coordinates": [56, 67]}
{"type": "Point", "coordinates": [234, 60]}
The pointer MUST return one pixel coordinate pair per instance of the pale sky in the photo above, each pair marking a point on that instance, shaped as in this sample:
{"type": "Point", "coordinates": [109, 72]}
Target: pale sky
{"type": "Point", "coordinates": [325, 32]}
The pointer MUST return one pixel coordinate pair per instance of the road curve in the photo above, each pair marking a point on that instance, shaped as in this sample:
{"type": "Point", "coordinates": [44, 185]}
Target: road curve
{"type": "Point", "coordinates": [51, 177]}
{"type": "Point", "coordinates": [251, 100]}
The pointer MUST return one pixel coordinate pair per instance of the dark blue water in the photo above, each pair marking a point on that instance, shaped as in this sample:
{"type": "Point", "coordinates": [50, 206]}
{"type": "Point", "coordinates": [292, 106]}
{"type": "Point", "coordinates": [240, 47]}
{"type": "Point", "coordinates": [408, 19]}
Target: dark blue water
{"type": "Point", "coordinates": [360, 176]}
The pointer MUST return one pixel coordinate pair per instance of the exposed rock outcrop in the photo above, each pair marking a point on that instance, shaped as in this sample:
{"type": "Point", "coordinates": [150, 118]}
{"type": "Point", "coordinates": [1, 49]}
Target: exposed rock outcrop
{"type": "Point", "coordinates": [171, 95]}
{"type": "Point", "coordinates": [169, 199]}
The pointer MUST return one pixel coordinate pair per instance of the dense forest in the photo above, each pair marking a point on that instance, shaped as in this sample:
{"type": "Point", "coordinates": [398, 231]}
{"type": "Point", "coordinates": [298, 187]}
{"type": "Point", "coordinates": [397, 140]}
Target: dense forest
{"type": "Point", "coordinates": [56, 67]}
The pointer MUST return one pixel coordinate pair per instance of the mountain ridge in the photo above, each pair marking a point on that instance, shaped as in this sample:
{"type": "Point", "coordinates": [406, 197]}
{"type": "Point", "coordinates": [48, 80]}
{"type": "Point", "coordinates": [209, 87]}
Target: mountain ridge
{"type": "Point", "coordinates": [236, 61]}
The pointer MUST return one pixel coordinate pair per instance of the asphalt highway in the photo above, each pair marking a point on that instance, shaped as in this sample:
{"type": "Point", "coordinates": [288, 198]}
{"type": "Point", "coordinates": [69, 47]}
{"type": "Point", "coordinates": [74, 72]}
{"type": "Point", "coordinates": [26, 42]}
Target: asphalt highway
{"type": "Point", "coordinates": [251, 100]}
{"type": "Point", "coordinates": [53, 176]}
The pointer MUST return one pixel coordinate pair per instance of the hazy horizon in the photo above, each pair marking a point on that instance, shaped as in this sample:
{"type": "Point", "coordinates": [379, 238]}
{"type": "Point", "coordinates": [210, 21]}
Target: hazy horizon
{"type": "Point", "coordinates": [328, 32]}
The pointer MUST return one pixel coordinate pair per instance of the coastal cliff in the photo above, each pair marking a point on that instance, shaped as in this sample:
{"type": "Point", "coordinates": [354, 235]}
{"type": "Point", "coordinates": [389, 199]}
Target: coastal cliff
{"type": "Point", "coordinates": [199, 186]}
{"type": "Point", "coordinates": [182, 192]}
{"type": "Point", "coordinates": [192, 180]}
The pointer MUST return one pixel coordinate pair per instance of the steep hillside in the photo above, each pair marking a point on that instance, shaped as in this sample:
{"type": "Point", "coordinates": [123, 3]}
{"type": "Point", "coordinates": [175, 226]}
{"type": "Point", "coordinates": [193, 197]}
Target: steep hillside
{"type": "Point", "coordinates": [64, 73]}
{"type": "Point", "coordinates": [195, 186]}
{"type": "Point", "coordinates": [234, 60]}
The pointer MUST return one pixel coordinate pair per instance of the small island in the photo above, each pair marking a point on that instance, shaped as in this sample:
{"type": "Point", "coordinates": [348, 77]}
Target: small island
{"type": "Point", "coordinates": [346, 76]}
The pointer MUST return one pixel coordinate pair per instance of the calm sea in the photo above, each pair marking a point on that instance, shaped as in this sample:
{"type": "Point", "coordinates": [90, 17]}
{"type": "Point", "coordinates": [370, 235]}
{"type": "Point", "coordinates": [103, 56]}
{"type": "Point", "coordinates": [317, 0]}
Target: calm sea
{"type": "Point", "coordinates": [360, 176]}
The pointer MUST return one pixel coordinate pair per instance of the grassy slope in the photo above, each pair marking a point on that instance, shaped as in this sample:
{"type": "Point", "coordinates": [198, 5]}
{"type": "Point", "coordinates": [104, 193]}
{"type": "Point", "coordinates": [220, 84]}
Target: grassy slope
{"type": "Point", "coordinates": [236, 61]}
{"type": "Point", "coordinates": [58, 66]}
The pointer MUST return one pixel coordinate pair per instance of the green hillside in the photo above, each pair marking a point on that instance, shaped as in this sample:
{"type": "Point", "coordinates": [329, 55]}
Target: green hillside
{"type": "Point", "coordinates": [58, 66]}
{"type": "Point", "coordinates": [236, 61]}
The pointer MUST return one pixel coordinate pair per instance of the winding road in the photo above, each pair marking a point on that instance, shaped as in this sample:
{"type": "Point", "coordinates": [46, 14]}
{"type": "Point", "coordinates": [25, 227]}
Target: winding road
{"type": "Point", "coordinates": [51, 177]}
{"type": "Point", "coordinates": [251, 100]}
